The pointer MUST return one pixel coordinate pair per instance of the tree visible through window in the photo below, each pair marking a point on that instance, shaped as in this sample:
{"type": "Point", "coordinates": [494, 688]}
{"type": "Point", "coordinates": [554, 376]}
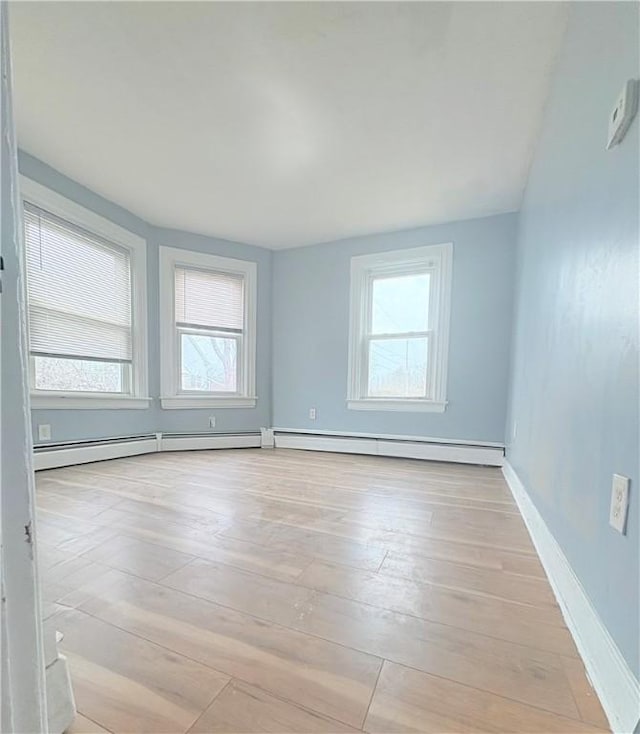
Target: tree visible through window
{"type": "Point", "coordinates": [77, 375]}
{"type": "Point", "coordinates": [209, 363]}
{"type": "Point", "coordinates": [79, 297]}
{"type": "Point", "coordinates": [209, 312]}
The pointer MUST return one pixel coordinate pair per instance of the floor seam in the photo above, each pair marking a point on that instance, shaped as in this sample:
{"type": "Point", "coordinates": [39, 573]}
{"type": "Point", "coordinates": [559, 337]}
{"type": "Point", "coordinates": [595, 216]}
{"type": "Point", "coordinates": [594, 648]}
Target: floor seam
{"type": "Point", "coordinates": [373, 693]}
{"type": "Point", "coordinates": [208, 706]}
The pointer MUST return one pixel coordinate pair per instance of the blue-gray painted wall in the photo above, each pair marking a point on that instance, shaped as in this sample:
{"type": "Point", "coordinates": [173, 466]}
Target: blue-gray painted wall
{"type": "Point", "coordinates": [574, 392]}
{"type": "Point", "coordinates": [80, 424]}
{"type": "Point", "coordinates": [311, 333]}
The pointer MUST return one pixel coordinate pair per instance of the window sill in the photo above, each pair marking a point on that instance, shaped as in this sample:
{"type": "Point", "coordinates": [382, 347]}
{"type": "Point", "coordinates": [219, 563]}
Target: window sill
{"type": "Point", "coordinates": [408, 406]}
{"type": "Point", "coordinates": [186, 402]}
{"type": "Point", "coordinates": [88, 402]}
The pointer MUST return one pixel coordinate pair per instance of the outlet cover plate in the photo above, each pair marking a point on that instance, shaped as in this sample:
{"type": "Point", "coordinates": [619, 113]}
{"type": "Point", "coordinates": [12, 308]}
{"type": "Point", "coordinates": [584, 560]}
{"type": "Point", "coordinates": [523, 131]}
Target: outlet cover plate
{"type": "Point", "coordinates": [619, 502]}
{"type": "Point", "coordinates": [44, 432]}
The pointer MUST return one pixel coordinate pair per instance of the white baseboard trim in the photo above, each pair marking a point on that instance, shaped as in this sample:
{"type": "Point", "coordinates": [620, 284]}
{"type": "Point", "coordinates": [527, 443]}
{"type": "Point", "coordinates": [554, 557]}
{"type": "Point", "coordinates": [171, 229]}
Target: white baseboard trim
{"type": "Point", "coordinates": [88, 452]}
{"type": "Point", "coordinates": [612, 679]}
{"type": "Point", "coordinates": [85, 454]}
{"type": "Point", "coordinates": [386, 446]}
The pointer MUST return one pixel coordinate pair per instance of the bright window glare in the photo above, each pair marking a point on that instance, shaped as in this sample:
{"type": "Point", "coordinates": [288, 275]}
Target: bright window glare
{"type": "Point", "coordinates": [400, 304]}
{"type": "Point", "coordinates": [208, 363]}
{"type": "Point", "coordinates": [398, 368]}
{"type": "Point", "coordinates": [77, 375]}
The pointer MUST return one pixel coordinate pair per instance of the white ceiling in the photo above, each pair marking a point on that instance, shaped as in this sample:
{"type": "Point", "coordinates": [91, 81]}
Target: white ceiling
{"type": "Point", "coordinates": [283, 124]}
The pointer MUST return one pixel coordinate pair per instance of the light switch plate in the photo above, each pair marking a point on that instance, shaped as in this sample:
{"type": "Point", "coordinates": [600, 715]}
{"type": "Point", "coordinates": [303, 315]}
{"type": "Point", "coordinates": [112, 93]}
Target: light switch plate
{"type": "Point", "coordinates": [619, 502]}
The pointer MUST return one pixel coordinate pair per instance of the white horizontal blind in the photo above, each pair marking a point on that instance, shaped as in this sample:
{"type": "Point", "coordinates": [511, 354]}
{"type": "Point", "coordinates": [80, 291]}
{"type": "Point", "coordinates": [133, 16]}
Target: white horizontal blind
{"type": "Point", "coordinates": [209, 300]}
{"type": "Point", "coordinates": [78, 289]}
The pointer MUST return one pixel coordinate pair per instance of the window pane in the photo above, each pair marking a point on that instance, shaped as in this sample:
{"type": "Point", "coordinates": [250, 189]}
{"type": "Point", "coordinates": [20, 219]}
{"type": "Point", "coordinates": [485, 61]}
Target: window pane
{"type": "Point", "coordinates": [78, 375]}
{"type": "Point", "coordinates": [398, 368]}
{"type": "Point", "coordinates": [209, 363]}
{"type": "Point", "coordinates": [400, 304]}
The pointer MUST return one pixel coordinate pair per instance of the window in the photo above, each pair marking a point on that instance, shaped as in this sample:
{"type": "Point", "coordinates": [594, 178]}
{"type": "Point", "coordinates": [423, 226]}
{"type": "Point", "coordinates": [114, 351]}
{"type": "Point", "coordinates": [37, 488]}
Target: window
{"type": "Point", "coordinates": [399, 329]}
{"type": "Point", "coordinates": [208, 330]}
{"type": "Point", "coordinates": [86, 327]}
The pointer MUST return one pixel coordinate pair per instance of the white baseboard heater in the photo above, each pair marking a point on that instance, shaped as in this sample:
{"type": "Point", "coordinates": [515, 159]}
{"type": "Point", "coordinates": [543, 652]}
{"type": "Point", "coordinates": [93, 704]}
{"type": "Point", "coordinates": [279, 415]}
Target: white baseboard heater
{"type": "Point", "coordinates": [407, 447]}
{"type": "Point", "coordinates": [51, 456]}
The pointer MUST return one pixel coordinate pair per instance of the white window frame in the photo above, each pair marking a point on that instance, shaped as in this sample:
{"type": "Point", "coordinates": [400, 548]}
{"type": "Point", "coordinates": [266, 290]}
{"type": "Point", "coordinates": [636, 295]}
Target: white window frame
{"type": "Point", "coordinates": [435, 259]}
{"type": "Point", "coordinates": [137, 396]}
{"type": "Point", "coordinates": [172, 396]}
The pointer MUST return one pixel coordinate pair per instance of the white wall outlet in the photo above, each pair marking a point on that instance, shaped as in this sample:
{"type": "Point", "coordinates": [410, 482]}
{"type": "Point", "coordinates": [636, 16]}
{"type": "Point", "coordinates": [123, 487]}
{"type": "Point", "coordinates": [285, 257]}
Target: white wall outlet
{"type": "Point", "coordinates": [619, 502]}
{"type": "Point", "coordinates": [312, 414]}
{"type": "Point", "coordinates": [623, 113]}
{"type": "Point", "coordinates": [212, 421]}
{"type": "Point", "coordinates": [44, 432]}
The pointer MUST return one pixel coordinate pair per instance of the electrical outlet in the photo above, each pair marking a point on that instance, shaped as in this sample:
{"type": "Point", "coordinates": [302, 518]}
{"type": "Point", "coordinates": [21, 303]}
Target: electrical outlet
{"type": "Point", "coordinates": [619, 502]}
{"type": "Point", "coordinates": [312, 414]}
{"type": "Point", "coordinates": [44, 432]}
{"type": "Point", "coordinates": [212, 421]}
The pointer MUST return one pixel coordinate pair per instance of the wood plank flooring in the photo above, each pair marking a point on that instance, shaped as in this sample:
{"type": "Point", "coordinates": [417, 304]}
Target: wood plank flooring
{"type": "Point", "coordinates": [285, 591]}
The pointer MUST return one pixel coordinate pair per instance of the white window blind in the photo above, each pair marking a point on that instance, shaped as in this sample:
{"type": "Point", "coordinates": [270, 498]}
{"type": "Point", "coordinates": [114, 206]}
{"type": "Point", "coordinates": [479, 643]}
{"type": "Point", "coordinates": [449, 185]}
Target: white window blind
{"type": "Point", "coordinates": [209, 300]}
{"type": "Point", "coordinates": [79, 291]}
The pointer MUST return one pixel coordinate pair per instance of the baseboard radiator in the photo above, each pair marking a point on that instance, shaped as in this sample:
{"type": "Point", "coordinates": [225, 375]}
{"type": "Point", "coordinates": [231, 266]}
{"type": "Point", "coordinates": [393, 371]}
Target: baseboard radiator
{"type": "Point", "coordinates": [51, 456]}
{"type": "Point", "coordinates": [463, 452]}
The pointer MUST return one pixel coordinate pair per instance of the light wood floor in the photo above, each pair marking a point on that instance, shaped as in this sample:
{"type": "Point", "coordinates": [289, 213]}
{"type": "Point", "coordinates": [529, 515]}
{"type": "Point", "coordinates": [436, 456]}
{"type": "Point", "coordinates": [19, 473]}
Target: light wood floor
{"type": "Point", "coordinates": [286, 591]}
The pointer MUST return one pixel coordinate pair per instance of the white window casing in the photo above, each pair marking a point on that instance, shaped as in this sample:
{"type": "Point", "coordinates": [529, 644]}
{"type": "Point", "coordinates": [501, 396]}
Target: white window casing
{"type": "Point", "coordinates": [74, 311]}
{"type": "Point", "coordinates": [211, 298]}
{"type": "Point", "coordinates": [432, 266]}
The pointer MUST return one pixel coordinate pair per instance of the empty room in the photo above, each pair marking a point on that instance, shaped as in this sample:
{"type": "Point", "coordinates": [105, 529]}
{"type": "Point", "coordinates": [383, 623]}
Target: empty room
{"type": "Point", "coordinates": [320, 386]}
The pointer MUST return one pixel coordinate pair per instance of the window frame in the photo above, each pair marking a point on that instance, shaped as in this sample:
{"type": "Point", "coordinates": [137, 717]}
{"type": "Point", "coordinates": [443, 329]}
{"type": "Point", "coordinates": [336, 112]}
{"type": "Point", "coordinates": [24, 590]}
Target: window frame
{"type": "Point", "coordinates": [136, 246]}
{"type": "Point", "coordinates": [435, 259]}
{"type": "Point", "coordinates": [172, 395]}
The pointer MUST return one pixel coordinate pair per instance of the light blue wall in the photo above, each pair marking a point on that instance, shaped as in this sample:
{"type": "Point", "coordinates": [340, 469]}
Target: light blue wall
{"type": "Point", "coordinates": [79, 424]}
{"type": "Point", "coordinates": [574, 391]}
{"type": "Point", "coordinates": [311, 329]}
